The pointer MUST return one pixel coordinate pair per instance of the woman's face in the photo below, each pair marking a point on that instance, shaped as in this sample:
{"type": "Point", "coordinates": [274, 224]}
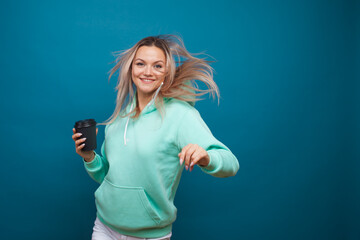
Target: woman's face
{"type": "Point", "coordinates": [148, 70]}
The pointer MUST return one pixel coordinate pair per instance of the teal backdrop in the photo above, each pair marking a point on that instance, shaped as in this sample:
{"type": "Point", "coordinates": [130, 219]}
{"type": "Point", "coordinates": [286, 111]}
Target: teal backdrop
{"type": "Point", "coordinates": [288, 73]}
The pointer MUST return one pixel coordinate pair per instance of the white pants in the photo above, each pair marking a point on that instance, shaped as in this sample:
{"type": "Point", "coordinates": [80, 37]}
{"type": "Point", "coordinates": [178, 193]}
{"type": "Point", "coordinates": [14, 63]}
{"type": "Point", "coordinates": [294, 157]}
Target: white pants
{"type": "Point", "coordinates": [103, 232]}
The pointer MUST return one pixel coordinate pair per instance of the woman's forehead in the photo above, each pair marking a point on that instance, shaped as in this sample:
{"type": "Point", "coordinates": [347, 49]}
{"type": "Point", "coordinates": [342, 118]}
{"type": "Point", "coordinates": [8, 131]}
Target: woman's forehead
{"type": "Point", "coordinates": [150, 53]}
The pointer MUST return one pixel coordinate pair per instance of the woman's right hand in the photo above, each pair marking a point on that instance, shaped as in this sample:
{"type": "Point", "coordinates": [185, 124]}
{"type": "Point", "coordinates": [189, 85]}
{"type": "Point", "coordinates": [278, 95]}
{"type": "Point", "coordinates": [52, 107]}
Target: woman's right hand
{"type": "Point", "coordinates": [88, 156]}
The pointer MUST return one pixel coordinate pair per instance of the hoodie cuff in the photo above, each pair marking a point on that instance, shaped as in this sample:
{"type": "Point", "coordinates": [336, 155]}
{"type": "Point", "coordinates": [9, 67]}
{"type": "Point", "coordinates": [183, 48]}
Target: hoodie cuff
{"type": "Point", "coordinates": [92, 164]}
{"type": "Point", "coordinates": [214, 162]}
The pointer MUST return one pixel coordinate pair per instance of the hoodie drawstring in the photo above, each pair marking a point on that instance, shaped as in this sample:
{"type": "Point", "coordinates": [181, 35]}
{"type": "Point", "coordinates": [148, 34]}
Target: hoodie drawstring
{"type": "Point", "coordinates": [127, 122]}
{"type": "Point", "coordinates": [131, 108]}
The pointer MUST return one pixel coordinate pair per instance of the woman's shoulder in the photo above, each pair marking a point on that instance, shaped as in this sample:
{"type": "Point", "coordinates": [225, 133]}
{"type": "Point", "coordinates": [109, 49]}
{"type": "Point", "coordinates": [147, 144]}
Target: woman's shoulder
{"type": "Point", "coordinates": [178, 106]}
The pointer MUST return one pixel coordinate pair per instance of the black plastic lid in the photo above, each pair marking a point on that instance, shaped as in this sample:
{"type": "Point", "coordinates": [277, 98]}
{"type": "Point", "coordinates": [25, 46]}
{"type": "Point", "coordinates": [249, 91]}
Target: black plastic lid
{"type": "Point", "coordinates": [85, 123]}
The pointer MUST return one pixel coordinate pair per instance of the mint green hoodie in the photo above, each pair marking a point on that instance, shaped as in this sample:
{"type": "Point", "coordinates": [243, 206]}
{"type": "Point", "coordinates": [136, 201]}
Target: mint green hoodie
{"type": "Point", "coordinates": [139, 170]}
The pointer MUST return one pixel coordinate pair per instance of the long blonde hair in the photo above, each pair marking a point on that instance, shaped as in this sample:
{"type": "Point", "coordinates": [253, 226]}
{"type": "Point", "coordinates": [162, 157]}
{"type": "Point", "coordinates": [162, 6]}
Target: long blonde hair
{"type": "Point", "coordinates": [182, 71]}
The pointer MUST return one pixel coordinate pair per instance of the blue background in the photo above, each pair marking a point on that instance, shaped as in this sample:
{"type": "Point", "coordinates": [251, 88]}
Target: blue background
{"type": "Point", "coordinates": [288, 72]}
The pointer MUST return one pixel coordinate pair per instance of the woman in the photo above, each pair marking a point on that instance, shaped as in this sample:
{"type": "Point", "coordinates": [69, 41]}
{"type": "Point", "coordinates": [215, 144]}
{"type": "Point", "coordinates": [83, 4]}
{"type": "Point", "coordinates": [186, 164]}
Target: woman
{"type": "Point", "coordinates": [154, 133]}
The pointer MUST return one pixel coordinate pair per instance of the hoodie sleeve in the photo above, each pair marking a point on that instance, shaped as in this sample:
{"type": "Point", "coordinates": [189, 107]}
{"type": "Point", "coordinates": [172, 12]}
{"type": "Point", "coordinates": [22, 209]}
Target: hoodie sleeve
{"type": "Point", "coordinates": [99, 166]}
{"type": "Point", "coordinates": [193, 129]}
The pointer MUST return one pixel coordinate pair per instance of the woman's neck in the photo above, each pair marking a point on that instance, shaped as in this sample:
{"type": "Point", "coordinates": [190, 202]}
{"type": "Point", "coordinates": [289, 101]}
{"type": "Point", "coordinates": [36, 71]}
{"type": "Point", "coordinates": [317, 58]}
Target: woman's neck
{"type": "Point", "coordinates": [143, 100]}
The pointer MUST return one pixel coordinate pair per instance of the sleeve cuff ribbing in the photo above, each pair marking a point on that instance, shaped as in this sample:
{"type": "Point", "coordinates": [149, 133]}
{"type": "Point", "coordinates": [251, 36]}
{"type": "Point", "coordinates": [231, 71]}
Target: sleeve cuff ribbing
{"type": "Point", "coordinates": [93, 164]}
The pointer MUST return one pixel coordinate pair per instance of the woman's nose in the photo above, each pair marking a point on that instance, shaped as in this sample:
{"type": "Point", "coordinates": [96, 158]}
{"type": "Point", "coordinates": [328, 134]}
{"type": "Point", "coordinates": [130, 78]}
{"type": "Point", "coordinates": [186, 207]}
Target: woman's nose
{"type": "Point", "coordinates": [147, 70]}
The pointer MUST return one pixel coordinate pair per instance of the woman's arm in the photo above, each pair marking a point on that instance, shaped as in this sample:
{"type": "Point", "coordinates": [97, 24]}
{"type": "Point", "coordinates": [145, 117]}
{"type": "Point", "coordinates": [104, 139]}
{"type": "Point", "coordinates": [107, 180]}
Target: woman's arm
{"type": "Point", "coordinates": [193, 130]}
{"type": "Point", "coordinates": [99, 166]}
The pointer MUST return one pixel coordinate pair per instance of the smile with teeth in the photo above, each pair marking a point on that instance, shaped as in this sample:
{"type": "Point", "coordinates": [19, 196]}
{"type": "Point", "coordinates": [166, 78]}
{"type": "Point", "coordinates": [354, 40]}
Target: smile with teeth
{"type": "Point", "coordinates": [147, 80]}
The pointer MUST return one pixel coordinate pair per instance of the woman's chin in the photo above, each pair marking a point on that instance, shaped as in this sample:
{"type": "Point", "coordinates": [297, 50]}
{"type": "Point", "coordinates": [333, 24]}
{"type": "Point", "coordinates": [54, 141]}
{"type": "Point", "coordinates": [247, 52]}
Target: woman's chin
{"type": "Point", "coordinates": [145, 90]}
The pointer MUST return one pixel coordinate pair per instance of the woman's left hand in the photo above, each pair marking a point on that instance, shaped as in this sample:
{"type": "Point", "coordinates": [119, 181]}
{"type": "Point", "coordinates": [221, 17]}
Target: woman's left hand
{"type": "Point", "coordinates": [193, 154]}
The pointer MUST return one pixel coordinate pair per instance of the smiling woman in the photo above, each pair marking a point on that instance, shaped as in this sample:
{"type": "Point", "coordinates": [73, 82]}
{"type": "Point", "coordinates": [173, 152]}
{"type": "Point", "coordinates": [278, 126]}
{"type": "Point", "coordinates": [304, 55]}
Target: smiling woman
{"type": "Point", "coordinates": [179, 76]}
{"type": "Point", "coordinates": [148, 72]}
{"type": "Point", "coordinates": [151, 138]}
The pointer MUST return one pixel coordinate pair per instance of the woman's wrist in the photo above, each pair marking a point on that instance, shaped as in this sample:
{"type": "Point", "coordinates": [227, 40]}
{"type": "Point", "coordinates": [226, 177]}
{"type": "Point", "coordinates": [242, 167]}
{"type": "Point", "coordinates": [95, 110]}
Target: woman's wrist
{"type": "Point", "coordinates": [90, 158]}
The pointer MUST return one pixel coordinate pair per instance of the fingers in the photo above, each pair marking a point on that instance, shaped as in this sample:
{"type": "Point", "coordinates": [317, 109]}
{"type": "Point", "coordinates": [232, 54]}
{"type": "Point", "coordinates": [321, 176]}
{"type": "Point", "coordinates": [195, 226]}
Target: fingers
{"type": "Point", "coordinates": [182, 154]}
{"type": "Point", "coordinates": [193, 154]}
{"type": "Point", "coordinates": [189, 155]}
{"type": "Point", "coordinates": [195, 159]}
{"type": "Point", "coordinates": [79, 147]}
{"type": "Point", "coordinates": [78, 142]}
{"type": "Point", "coordinates": [196, 156]}
{"type": "Point", "coordinates": [75, 136]}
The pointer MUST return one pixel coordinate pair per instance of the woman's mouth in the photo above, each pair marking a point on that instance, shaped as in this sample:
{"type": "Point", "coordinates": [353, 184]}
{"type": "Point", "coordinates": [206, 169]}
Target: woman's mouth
{"type": "Point", "coordinates": [147, 80]}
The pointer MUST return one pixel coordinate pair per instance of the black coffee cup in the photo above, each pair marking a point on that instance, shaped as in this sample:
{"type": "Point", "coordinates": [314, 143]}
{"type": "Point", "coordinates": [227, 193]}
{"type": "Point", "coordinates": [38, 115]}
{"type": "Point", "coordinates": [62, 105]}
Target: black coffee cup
{"type": "Point", "coordinates": [88, 129]}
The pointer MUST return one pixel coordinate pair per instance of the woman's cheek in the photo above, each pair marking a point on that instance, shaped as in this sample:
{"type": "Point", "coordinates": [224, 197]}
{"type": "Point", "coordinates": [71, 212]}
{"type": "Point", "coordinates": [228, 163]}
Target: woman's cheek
{"type": "Point", "coordinates": [136, 71]}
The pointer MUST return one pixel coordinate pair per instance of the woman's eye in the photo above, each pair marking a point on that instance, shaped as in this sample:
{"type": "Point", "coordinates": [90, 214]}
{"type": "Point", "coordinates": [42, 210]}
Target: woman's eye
{"type": "Point", "coordinates": [142, 64]}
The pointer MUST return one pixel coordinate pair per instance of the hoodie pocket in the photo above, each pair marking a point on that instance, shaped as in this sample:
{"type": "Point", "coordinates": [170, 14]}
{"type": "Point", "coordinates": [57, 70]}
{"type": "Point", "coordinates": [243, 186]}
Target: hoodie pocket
{"type": "Point", "coordinates": [124, 207]}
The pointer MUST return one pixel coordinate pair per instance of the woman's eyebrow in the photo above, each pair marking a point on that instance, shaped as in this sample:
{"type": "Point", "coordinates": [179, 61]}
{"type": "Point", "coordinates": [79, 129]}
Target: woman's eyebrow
{"type": "Point", "coordinates": [145, 61]}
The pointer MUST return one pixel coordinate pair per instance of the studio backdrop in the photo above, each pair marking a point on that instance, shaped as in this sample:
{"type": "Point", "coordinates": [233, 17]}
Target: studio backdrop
{"type": "Point", "coordinates": [288, 74]}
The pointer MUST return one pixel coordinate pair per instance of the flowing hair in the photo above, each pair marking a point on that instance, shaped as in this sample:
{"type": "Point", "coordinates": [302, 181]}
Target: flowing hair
{"type": "Point", "coordinates": [182, 72]}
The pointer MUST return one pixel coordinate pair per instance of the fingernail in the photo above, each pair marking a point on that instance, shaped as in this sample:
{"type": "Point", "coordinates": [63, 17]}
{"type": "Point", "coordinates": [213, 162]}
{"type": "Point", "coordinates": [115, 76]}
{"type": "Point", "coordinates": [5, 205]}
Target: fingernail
{"type": "Point", "coordinates": [181, 161]}
{"type": "Point", "coordinates": [79, 134]}
{"type": "Point", "coordinates": [191, 164]}
{"type": "Point", "coordinates": [186, 167]}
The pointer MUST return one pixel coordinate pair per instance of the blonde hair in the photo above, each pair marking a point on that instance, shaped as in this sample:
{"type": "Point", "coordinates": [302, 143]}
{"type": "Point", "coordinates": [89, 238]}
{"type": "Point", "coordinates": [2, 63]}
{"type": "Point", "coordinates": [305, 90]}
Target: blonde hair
{"type": "Point", "coordinates": [182, 71]}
